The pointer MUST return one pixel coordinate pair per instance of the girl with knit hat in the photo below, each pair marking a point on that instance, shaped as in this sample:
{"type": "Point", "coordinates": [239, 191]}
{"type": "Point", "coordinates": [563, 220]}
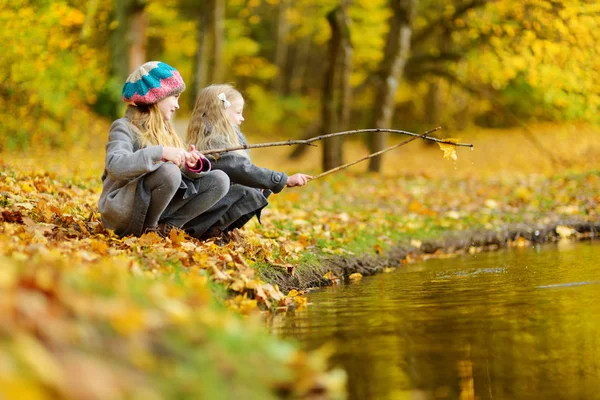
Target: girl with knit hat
{"type": "Point", "coordinates": [215, 123]}
{"type": "Point", "coordinates": [150, 181]}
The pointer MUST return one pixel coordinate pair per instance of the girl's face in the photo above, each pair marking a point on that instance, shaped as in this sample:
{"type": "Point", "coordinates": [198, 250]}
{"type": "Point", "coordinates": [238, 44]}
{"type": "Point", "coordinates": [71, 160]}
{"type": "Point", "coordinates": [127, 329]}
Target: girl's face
{"type": "Point", "coordinates": [168, 106]}
{"type": "Point", "coordinates": [235, 111]}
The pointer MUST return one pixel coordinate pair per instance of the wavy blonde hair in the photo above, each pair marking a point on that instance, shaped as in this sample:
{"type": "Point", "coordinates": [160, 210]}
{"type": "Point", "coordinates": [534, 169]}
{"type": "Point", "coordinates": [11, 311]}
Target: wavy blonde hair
{"type": "Point", "coordinates": [152, 129]}
{"type": "Point", "coordinates": [210, 126]}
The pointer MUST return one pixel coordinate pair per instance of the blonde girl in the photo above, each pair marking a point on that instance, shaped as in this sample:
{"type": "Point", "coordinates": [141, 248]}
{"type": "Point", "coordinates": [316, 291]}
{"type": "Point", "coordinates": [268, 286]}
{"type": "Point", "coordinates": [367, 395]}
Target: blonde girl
{"type": "Point", "coordinates": [150, 181]}
{"type": "Point", "coordinates": [215, 123]}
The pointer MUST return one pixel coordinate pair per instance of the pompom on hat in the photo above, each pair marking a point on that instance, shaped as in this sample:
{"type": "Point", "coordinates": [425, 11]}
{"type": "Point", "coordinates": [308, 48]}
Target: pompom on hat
{"type": "Point", "coordinates": [152, 82]}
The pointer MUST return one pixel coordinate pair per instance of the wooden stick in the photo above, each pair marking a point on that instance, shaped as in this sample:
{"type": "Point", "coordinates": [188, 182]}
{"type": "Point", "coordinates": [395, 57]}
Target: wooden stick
{"type": "Point", "coordinates": [322, 174]}
{"type": "Point", "coordinates": [330, 135]}
{"type": "Point", "coordinates": [259, 145]}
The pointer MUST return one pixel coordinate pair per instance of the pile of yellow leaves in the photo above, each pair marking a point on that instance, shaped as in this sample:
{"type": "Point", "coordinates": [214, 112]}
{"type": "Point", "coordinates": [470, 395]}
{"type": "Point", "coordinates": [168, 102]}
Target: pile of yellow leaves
{"type": "Point", "coordinates": [133, 317]}
{"type": "Point", "coordinates": [43, 218]}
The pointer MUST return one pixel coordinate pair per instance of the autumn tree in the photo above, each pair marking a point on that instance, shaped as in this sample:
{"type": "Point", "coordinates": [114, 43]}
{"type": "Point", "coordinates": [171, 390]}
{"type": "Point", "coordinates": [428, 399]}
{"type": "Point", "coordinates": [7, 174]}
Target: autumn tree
{"type": "Point", "coordinates": [390, 72]}
{"type": "Point", "coordinates": [488, 61]}
{"type": "Point", "coordinates": [507, 55]}
{"type": "Point", "coordinates": [433, 49]}
{"type": "Point", "coordinates": [51, 71]}
{"type": "Point", "coordinates": [336, 86]}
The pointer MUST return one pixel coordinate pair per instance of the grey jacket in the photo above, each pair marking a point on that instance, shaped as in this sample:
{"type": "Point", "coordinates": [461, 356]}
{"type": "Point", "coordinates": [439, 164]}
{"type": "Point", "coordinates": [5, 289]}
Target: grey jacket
{"type": "Point", "coordinates": [123, 203]}
{"type": "Point", "coordinates": [241, 171]}
{"type": "Point", "coordinates": [244, 199]}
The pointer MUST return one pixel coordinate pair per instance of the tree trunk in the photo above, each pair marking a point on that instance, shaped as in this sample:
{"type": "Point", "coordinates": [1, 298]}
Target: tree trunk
{"type": "Point", "coordinates": [390, 72]}
{"type": "Point", "coordinates": [332, 156]}
{"type": "Point", "coordinates": [137, 35]}
{"type": "Point", "coordinates": [128, 40]}
{"type": "Point", "coordinates": [199, 75]}
{"type": "Point", "coordinates": [433, 106]}
{"type": "Point", "coordinates": [281, 45]}
{"type": "Point", "coordinates": [344, 84]}
{"type": "Point", "coordinates": [300, 66]}
{"type": "Point", "coordinates": [215, 27]}
{"type": "Point", "coordinates": [118, 42]}
{"type": "Point", "coordinates": [331, 99]}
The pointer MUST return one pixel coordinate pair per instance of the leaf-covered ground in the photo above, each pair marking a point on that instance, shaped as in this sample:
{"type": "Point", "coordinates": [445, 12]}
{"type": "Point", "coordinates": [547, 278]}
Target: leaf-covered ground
{"type": "Point", "coordinates": [85, 314]}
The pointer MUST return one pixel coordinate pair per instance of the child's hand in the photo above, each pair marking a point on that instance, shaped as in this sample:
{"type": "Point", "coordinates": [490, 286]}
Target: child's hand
{"type": "Point", "coordinates": [176, 155]}
{"type": "Point", "coordinates": [193, 150]}
{"type": "Point", "coordinates": [192, 157]}
{"type": "Point", "coordinates": [298, 180]}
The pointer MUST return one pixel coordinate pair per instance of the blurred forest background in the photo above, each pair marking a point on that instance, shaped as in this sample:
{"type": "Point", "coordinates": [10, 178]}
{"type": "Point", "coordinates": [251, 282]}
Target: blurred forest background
{"type": "Point", "coordinates": [305, 67]}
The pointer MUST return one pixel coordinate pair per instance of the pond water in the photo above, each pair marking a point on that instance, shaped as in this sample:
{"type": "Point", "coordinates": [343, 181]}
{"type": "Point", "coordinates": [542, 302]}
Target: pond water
{"type": "Point", "coordinates": [513, 324]}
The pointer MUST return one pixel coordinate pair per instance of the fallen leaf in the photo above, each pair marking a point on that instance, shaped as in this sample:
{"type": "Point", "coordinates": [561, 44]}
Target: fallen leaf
{"type": "Point", "coordinates": [565, 231]}
{"type": "Point", "coordinates": [355, 276]}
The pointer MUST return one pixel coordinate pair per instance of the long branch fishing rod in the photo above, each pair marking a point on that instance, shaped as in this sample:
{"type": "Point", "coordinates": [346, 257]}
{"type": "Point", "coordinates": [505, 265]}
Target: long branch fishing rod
{"type": "Point", "coordinates": [330, 135]}
{"type": "Point", "coordinates": [423, 135]}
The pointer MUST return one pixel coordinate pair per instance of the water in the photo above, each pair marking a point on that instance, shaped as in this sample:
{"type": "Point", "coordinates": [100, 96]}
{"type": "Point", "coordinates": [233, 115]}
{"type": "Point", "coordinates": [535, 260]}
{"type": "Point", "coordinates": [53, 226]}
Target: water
{"type": "Point", "coordinates": [512, 324]}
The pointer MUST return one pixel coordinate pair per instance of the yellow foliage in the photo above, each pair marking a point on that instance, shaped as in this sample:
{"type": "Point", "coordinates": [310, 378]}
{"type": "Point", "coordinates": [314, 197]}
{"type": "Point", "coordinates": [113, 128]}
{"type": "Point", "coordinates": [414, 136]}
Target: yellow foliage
{"type": "Point", "coordinates": [50, 74]}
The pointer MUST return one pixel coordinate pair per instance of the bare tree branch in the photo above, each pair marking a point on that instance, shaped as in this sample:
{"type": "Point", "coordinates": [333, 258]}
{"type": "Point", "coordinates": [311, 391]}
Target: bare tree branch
{"type": "Point", "coordinates": [378, 153]}
{"type": "Point", "coordinates": [329, 135]}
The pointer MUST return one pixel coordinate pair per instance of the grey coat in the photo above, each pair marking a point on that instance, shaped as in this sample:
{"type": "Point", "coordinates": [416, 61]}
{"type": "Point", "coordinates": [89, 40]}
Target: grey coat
{"type": "Point", "coordinates": [244, 199]}
{"type": "Point", "coordinates": [124, 201]}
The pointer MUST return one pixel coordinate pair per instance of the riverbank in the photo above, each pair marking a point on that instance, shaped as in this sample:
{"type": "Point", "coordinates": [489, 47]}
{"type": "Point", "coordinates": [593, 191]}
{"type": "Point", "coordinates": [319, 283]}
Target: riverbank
{"type": "Point", "coordinates": [335, 270]}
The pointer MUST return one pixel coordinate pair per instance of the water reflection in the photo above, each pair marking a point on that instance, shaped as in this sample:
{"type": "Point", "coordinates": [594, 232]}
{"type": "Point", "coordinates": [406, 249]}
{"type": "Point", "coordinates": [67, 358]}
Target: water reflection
{"type": "Point", "coordinates": [506, 325]}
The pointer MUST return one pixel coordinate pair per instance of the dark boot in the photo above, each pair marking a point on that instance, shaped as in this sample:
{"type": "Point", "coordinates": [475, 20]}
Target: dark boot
{"type": "Point", "coordinates": [217, 235]}
{"type": "Point", "coordinates": [162, 230]}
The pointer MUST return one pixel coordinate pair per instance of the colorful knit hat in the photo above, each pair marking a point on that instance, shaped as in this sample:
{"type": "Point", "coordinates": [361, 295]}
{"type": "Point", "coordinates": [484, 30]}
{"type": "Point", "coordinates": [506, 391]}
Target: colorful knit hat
{"type": "Point", "coordinates": [152, 82]}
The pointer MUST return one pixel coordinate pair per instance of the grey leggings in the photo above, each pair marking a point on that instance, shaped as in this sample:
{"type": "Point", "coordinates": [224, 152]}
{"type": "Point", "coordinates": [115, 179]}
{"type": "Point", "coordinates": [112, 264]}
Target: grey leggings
{"type": "Point", "coordinates": [167, 205]}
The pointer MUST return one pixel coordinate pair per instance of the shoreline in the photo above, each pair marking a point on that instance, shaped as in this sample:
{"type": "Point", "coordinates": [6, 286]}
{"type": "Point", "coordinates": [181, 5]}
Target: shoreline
{"type": "Point", "coordinates": [333, 270]}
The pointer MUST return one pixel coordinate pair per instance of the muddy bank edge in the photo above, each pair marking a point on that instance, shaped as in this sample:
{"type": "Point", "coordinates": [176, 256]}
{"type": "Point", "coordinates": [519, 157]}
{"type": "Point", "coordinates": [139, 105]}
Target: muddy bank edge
{"type": "Point", "coordinates": [334, 269]}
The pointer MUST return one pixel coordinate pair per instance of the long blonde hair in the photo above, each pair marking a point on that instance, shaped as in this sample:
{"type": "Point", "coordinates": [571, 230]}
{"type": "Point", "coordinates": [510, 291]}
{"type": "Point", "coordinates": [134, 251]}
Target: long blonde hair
{"type": "Point", "coordinates": [152, 129]}
{"type": "Point", "coordinates": [210, 126]}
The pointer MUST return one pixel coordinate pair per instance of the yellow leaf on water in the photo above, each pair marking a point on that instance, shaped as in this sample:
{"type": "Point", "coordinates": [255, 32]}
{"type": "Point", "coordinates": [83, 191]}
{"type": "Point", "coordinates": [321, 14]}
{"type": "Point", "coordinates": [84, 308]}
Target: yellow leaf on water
{"type": "Point", "coordinates": [565, 231]}
{"type": "Point", "coordinates": [300, 301]}
{"type": "Point", "coordinates": [449, 149]}
{"type": "Point", "coordinates": [355, 276]}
